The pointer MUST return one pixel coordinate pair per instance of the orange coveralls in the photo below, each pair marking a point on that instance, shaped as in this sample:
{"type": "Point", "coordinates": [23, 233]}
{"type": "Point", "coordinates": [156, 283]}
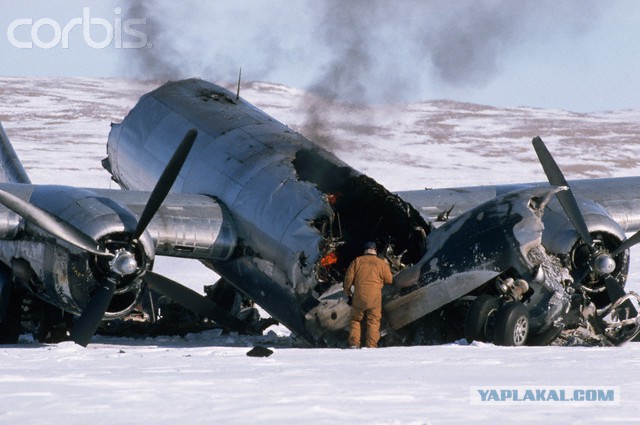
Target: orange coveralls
{"type": "Point", "coordinates": [367, 274]}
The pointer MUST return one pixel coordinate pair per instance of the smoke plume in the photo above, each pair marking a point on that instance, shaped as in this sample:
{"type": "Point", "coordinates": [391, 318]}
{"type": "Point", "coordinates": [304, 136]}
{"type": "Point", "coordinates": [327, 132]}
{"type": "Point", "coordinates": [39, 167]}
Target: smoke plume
{"type": "Point", "coordinates": [356, 51]}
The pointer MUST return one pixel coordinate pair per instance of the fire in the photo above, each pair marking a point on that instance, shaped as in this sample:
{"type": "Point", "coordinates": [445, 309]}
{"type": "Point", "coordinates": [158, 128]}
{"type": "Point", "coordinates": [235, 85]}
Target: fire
{"type": "Point", "coordinates": [329, 259]}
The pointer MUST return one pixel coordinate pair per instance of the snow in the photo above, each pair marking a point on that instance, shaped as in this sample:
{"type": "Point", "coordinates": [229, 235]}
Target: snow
{"type": "Point", "coordinates": [62, 124]}
{"type": "Point", "coordinates": [207, 379]}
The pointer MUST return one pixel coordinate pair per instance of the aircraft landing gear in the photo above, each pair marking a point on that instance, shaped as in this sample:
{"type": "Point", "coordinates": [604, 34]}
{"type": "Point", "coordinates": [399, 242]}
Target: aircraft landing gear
{"type": "Point", "coordinates": [480, 319]}
{"type": "Point", "coordinates": [491, 320]}
{"type": "Point", "coordinates": [512, 325]}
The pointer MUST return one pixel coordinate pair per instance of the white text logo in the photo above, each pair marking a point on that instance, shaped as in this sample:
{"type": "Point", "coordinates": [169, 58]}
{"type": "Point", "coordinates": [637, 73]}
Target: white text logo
{"type": "Point", "coordinates": [47, 33]}
{"type": "Point", "coordinates": [561, 395]}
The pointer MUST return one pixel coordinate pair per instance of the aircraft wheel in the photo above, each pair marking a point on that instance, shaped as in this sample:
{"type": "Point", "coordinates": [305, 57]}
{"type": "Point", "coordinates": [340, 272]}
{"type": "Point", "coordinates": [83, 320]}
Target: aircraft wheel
{"type": "Point", "coordinates": [512, 325]}
{"type": "Point", "coordinates": [479, 322]}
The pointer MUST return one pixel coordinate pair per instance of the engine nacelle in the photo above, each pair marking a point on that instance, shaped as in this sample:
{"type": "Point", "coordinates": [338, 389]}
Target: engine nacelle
{"type": "Point", "coordinates": [64, 274]}
{"type": "Point", "coordinates": [561, 238]}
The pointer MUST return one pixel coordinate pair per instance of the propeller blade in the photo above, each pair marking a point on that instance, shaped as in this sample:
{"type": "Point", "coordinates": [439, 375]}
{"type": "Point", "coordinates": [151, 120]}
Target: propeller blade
{"type": "Point", "coordinates": [51, 224]}
{"type": "Point", "coordinates": [626, 244]}
{"type": "Point", "coordinates": [87, 324]}
{"type": "Point", "coordinates": [614, 290]}
{"type": "Point", "coordinates": [191, 300]}
{"type": "Point", "coordinates": [581, 274]}
{"type": "Point", "coordinates": [566, 198]}
{"type": "Point", "coordinates": [168, 177]}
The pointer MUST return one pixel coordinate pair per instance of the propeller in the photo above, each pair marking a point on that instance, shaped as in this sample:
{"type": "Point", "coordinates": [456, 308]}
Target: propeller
{"type": "Point", "coordinates": [123, 261]}
{"type": "Point", "coordinates": [164, 184]}
{"type": "Point", "coordinates": [627, 243]}
{"type": "Point", "coordinates": [566, 198]}
{"type": "Point", "coordinates": [191, 300]}
{"type": "Point", "coordinates": [601, 261]}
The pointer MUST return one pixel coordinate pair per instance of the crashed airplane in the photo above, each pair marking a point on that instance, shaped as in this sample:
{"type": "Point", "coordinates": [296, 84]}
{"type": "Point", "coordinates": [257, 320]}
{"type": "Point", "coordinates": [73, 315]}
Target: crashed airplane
{"type": "Point", "coordinates": [207, 176]}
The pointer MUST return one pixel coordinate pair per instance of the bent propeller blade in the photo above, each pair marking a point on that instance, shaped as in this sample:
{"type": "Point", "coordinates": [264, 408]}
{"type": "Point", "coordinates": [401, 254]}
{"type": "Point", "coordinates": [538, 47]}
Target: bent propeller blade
{"type": "Point", "coordinates": [191, 300]}
{"type": "Point", "coordinates": [51, 224]}
{"type": "Point", "coordinates": [165, 182]}
{"type": "Point", "coordinates": [566, 198]}
{"type": "Point", "coordinates": [88, 322]}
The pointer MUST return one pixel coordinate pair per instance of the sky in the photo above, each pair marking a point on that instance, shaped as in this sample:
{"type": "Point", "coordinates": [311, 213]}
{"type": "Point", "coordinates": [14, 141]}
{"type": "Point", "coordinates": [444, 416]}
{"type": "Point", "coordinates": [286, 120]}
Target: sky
{"type": "Point", "coordinates": [579, 55]}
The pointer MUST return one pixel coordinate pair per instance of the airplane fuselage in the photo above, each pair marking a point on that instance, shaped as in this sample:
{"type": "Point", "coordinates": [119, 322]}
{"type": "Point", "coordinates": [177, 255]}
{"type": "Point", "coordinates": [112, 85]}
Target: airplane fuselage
{"type": "Point", "coordinates": [284, 194]}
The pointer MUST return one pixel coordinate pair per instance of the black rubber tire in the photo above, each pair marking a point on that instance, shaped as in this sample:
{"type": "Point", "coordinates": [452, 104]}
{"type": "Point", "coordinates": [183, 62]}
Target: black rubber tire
{"type": "Point", "coordinates": [512, 325]}
{"type": "Point", "coordinates": [476, 323]}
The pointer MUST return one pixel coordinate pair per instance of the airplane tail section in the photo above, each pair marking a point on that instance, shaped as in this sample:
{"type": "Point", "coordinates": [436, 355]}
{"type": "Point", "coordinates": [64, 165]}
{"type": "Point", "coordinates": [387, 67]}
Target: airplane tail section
{"type": "Point", "coordinates": [11, 169]}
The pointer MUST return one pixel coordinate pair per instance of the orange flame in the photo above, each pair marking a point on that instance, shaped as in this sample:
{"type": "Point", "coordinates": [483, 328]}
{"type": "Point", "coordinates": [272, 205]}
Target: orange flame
{"type": "Point", "coordinates": [329, 259]}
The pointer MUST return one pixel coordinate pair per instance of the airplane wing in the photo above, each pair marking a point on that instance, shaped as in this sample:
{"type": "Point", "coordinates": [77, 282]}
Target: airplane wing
{"type": "Point", "coordinates": [90, 251]}
{"type": "Point", "coordinates": [11, 169]}
{"type": "Point", "coordinates": [618, 197]}
{"type": "Point", "coordinates": [185, 225]}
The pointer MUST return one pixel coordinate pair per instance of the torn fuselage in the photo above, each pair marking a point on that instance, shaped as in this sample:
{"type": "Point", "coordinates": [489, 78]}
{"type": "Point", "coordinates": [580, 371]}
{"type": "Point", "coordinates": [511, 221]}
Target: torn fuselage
{"type": "Point", "coordinates": [301, 215]}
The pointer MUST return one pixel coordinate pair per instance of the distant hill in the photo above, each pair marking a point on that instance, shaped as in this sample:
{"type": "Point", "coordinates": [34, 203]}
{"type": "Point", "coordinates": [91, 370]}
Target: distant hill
{"type": "Point", "coordinates": [62, 124]}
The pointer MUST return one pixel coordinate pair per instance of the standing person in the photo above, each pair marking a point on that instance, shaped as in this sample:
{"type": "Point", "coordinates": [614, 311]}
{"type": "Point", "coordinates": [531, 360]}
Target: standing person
{"type": "Point", "coordinates": [366, 274]}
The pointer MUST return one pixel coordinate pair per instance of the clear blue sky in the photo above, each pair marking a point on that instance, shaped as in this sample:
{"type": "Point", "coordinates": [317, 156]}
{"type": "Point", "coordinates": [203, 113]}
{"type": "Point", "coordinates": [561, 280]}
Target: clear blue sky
{"type": "Point", "coordinates": [576, 54]}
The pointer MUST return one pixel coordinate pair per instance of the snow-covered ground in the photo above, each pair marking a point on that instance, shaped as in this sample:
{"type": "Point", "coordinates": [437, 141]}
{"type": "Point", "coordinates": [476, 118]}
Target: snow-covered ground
{"type": "Point", "coordinates": [59, 129]}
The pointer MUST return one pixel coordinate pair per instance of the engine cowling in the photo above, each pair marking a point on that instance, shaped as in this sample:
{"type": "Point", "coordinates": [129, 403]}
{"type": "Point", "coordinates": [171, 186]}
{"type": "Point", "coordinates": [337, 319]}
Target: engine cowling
{"type": "Point", "coordinates": [588, 265]}
{"type": "Point", "coordinates": [66, 275]}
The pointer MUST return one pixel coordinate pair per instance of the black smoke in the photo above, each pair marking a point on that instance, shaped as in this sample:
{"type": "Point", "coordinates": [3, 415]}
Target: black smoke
{"type": "Point", "coordinates": [358, 50]}
{"type": "Point", "coordinates": [355, 51]}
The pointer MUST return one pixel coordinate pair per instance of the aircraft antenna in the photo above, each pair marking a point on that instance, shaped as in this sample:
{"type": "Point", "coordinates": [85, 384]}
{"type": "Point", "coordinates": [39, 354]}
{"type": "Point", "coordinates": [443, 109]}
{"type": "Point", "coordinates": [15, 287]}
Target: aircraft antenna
{"type": "Point", "coordinates": [239, 78]}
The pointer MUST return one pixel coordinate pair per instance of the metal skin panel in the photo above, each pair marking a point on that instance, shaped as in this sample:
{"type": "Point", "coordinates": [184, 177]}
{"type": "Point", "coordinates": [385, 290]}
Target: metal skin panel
{"type": "Point", "coordinates": [193, 226]}
{"type": "Point", "coordinates": [268, 204]}
{"type": "Point", "coordinates": [560, 236]}
{"type": "Point", "coordinates": [275, 184]}
{"type": "Point", "coordinates": [9, 224]}
{"type": "Point", "coordinates": [257, 278]}
{"type": "Point", "coordinates": [186, 225]}
{"type": "Point", "coordinates": [468, 252]}
{"type": "Point", "coordinates": [619, 198]}
{"type": "Point", "coordinates": [235, 187]}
